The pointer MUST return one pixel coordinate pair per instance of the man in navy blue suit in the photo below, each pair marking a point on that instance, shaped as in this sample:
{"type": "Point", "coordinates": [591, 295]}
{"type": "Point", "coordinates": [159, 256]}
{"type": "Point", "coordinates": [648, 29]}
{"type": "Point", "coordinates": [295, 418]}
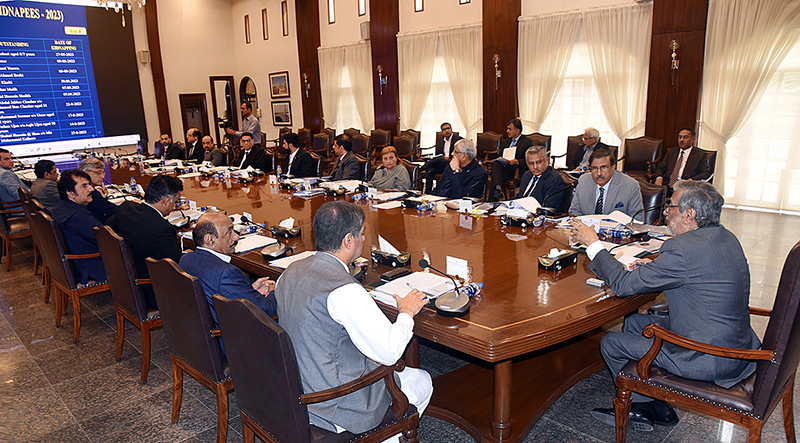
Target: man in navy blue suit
{"type": "Point", "coordinates": [215, 240]}
{"type": "Point", "coordinates": [75, 189]}
{"type": "Point", "coordinates": [541, 181]}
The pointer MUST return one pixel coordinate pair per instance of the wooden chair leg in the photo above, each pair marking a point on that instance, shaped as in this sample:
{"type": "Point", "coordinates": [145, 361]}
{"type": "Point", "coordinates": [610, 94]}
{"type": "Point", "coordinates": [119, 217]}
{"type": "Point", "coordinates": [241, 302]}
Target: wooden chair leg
{"type": "Point", "coordinates": [177, 390]}
{"type": "Point", "coordinates": [59, 306]}
{"type": "Point", "coordinates": [409, 436]}
{"type": "Point", "coordinates": [248, 436]}
{"type": "Point", "coordinates": [622, 407]}
{"type": "Point", "coordinates": [754, 431]}
{"type": "Point", "coordinates": [788, 413]}
{"type": "Point", "coordinates": [120, 333]}
{"type": "Point", "coordinates": [47, 283]}
{"type": "Point", "coordinates": [76, 317]}
{"type": "Point", "coordinates": [145, 327]}
{"type": "Point", "coordinates": [8, 254]}
{"type": "Point", "coordinates": [37, 259]}
{"type": "Point", "coordinates": [221, 391]}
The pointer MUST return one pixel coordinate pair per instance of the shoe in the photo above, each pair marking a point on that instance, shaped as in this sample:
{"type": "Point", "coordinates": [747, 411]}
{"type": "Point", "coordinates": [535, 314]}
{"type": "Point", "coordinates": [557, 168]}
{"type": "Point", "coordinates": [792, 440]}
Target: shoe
{"type": "Point", "coordinates": [662, 413]}
{"type": "Point", "coordinates": [637, 420]}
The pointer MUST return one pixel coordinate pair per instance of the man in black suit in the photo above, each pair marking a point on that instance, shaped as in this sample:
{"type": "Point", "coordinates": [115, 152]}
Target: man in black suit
{"type": "Point", "coordinates": [463, 176]}
{"type": "Point", "coordinates": [504, 169]}
{"type": "Point", "coordinates": [211, 153]}
{"type": "Point", "coordinates": [250, 156]}
{"type": "Point", "coordinates": [298, 162]}
{"type": "Point", "coordinates": [444, 152]}
{"type": "Point", "coordinates": [346, 165]}
{"type": "Point", "coordinates": [540, 179]}
{"type": "Point", "coordinates": [171, 151]}
{"type": "Point", "coordinates": [591, 141]}
{"type": "Point", "coordinates": [693, 163]}
{"type": "Point", "coordinates": [194, 148]}
{"type": "Point", "coordinates": [143, 225]}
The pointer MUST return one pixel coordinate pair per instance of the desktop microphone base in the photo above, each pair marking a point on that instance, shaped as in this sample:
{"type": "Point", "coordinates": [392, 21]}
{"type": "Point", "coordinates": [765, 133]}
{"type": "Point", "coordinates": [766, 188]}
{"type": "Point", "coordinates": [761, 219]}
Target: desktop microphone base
{"type": "Point", "coordinates": [451, 304]}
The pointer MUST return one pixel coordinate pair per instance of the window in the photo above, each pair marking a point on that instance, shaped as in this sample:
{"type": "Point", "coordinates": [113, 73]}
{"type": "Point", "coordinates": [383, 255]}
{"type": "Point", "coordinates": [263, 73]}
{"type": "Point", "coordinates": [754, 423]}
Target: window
{"type": "Point", "coordinates": [331, 12]}
{"type": "Point", "coordinates": [440, 108]}
{"type": "Point", "coordinates": [264, 25]}
{"type": "Point", "coordinates": [577, 105]}
{"type": "Point", "coordinates": [348, 114]}
{"type": "Point", "coordinates": [247, 29]}
{"type": "Point", "coordinates": [762, 160]}
{"type": "Point", "coordinates": [418, 6]}
{"type": "Point", "coordinates": [362, 7]}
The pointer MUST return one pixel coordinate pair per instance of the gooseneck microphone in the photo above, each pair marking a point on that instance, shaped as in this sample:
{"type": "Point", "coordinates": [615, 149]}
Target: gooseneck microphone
{"type": "Point", "coordinates": [639, 232]}
{"type": "Point", "coordinates": [452, 303]}
{"type": "Point", "coordinates": [549, 212]}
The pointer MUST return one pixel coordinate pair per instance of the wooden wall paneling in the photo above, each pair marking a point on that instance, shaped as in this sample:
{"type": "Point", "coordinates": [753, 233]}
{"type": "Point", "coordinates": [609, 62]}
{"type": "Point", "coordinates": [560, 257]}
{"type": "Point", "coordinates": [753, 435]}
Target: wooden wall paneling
{"type": "Point", "coordinates": [384, 25]}
{"type": "Point", "coordinates": [500, 37]}
{"type": "Point", "coordinates": [157, 66]}
{"type": "Point", "coordinates": [308, 40]}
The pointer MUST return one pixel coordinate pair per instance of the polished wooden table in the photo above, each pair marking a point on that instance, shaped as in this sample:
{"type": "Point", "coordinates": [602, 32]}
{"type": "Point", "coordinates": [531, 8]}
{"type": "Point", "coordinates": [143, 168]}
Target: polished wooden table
{"type": "Point", "coordinates": [532, 333]}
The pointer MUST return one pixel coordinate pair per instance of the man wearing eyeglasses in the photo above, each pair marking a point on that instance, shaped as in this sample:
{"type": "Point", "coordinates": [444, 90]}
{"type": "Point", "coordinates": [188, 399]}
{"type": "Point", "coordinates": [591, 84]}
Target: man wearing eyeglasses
{"type": "Point", "coordinates": [591, 142]}
{"type": "Point", "coordinates": [605, 190]}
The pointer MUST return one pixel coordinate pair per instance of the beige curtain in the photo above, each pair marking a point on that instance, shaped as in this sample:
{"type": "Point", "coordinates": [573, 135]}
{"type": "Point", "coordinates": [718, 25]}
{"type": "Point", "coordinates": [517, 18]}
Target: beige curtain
{"type": "Point", "coordinates": [358, 59]}
{"type": "Point", "coordinates": [416, 56]}
{"type": "Point", "coordinates": [462, 51]}
{"type": "Point", "coordinates": [331, 61]}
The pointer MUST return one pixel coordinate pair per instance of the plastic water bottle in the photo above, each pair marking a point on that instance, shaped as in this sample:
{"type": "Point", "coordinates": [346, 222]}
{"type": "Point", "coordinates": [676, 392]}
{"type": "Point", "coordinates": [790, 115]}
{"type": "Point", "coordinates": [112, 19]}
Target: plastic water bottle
{"type": "Point", "coordinates": [426, 207]}
{"type": "Point", "coordinates": [360, 196]}
{"type": "Point", "coordinates": [279, 173]}
{"type": "Point", "coordinates": [163, 160]}
{"type": "Point", "coordinates": [134, 187]}
{"type": "Point", "coordinates": [616, 232]}
{"type": "Point", "coordinates": [472, 289]}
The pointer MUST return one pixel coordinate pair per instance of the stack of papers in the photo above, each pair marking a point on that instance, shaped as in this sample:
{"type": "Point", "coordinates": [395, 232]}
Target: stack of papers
{"type": "Point", "coordinates": [284, 262]}
{"type": "Point", "coordinates": [350, 185]}
{"type": "Point", "coordinates": [251, 242]}
{"type": "Point", "coordinates": [518, 208]}
{"type": "Point", "coordinates": [431, 284]}
{"type": "Point", "coordinates": [309, 193]}
{"type": "Point", "coordinates": [386, 196]}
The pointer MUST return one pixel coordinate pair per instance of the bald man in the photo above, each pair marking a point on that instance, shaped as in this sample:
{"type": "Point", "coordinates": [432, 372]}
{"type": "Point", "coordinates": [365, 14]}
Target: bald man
{"type": "Point", "coordinates": [216, 240]}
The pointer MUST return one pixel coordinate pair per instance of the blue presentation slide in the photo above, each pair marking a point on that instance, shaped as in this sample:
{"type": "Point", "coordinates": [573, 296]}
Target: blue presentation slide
{"type": "Point", "coordinates": [47, 86]}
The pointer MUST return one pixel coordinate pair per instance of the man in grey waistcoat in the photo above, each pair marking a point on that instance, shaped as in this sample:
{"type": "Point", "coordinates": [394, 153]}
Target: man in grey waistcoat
{"type": "Point", "coordinates": [338, 332]}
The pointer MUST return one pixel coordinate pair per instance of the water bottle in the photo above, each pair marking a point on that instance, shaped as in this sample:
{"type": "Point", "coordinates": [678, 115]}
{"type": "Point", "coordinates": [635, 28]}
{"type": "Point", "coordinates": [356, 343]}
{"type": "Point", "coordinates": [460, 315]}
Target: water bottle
{"type": "Point", "coordinates": [279, 173]}
{"type": "Point", "coordinates": [472, 289]}
{"type": "Point", "coordinates": [616, 232]}
{"type": "Point", "coordinates": [360, 196]}
{"type": "Point", "coordinates": [163, 161]}
{"type": "Point", "coordinates": [134, 188]}
{"type": "Point", "coordinates": [426, 207]}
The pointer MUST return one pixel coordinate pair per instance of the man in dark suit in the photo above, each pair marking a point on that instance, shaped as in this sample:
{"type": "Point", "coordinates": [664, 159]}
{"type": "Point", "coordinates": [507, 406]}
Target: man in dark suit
{"type": "Point", "coordinates": [216, 240]}
{"type": "Point", "coordinates": [591, 141]}
{"type": "Point", "coordinates": [171, 151]}
{"type": "Point", "coordinates": [75, 189]}
{"type": "Point", "coordinates": [143, 225]}
{"type": "Point", "coordinates": [703, 273]}
{"type": "Point", "coordinates": [502, 168]}
{"type": "Point", "coordinates": [683, 162]}
{"type": "Point", "coordinates": [211, 153]}
{"type": "Point", "coordinates": [194, 148]}
{"type": "Point", "coordinates": [346, 165]}
{"type": "Point", "coordinates": [251, 156]}
{"type": "Point", "coordinates": [298, 162]}
{"type": "Point", "coordinates": [444, 152]}
{"type": "Point", "coordinates": [540, 179]}
{"type": "Point", "coordinates": [463, 176]}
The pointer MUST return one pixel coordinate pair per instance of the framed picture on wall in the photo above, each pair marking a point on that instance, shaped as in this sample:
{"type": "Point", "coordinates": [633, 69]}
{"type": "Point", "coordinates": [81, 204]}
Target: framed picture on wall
{"type": "Point", "coordinates": [279, 84]}
{"type": "Point", "coordinates": [282, 113]}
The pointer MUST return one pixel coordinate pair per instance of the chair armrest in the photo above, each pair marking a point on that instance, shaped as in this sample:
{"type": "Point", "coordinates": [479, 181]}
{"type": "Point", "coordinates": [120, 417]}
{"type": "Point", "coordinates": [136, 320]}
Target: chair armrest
{"type": "Point", "coordinates": [81, 256]}
{"type": "Point", "coordinates": [760, 311]}
{"type": "Point", "coordinates": [382, 372]}
{"type": "Point", "coordinates": [643, 368]}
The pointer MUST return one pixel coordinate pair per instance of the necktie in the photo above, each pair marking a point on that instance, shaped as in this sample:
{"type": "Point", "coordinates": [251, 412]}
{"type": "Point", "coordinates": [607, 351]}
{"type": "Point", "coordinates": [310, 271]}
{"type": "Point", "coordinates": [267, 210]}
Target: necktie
{"type": "Point", "coordinates": [244, 157]}
{"type": "Point", "coordinates": [598, 208]}
{"type": "Point", "coordinates": [513, 142]}
{"type": "Point", "coordinates": [674, 177]}
{"type": "Point", "coordinates": [531, 187]}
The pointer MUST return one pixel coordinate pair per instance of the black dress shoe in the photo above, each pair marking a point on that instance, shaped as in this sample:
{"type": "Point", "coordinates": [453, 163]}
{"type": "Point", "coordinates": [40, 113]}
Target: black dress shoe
{"type": "Point", "coordinates": [662, 413]}
{"type": "Point", "coordinates": [637, 420]}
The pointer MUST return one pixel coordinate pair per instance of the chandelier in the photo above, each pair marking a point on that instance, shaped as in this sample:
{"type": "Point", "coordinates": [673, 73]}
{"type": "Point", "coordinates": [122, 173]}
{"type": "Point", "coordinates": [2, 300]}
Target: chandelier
{"type": "Point", "coordinates": [118, 6]}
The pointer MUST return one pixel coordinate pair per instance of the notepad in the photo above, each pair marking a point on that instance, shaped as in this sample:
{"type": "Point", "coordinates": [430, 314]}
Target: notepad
{"type": "Point", "coordinates": [431, 284]}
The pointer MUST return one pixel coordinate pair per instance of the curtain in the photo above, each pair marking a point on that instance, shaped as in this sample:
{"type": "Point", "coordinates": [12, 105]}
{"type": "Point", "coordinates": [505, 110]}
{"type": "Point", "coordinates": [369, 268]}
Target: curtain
{"type": "Point", "coordinates": [545, 48]}
{"type": "Point", "coordinates": [746, 40]}
{"type": "Point", "coordinates": [331, 61]}
{"type": "Point", "coordinates": [619, 50]}
{"type": "Point", "coordinates": [416, 56]}
{"type": "Point", "coordinates": [462, 51]}
{"type": "Point", "coordinates": [358, 59]}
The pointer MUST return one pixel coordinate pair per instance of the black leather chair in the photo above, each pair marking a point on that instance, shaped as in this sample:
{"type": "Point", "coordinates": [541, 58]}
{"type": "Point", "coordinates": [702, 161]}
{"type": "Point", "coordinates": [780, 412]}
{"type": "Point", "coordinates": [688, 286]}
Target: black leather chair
{"type": "Point", "coordinates": [360, 144]}
{"type": "Point", "coordinates": [711, 158]}
{"type": "Point", "coordinates": [379, 139]}
{"type": "Point", "coordinates": [404, 144]}
{"type": "Point", "coordinates": [62, 272]}
{"type": "Point", "coordinates": [415, 135]}
{"type": "Point", "coordinates": [641, 156]}
{"type": "Point", "coordinates": [305, 136]}
{"type": "Point", "coordinates": [363, 168]}
{"type": "Point", "coordinates": [539, 139]}
{"type": "Point", "coordinates": [653, 197]}
{"type": "Point", "coordinates": [322, 143]}
{"type": "Point", "coordinates": [748, 403]}
{"type": "Point", "coordinates": [566, 200]}
{"type": "Point", "coordinates": [277, 411]}
{"type": "Point", "coordinates": [413, 174]}
{"type": "Point", "coordinates": [130, 301]}
{"type": "Point", "coordinates": [13, 226]}
{"type": "Point", "coordinates": [487, 146]}
{"type": "Point", "coordinates": [574, 144]}
{"type": "Point", "coordinates": [351, 132]}
{"type": "Point", "coordinates": [194, 347]}
{"type": "Point", "coordinates": [32, 206]}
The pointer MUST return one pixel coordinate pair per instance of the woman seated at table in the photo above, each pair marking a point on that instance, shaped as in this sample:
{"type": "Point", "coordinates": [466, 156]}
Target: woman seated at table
{"type": "Point", "coordinates": [391, 175]}
{"type": "Point", "coordinates": [100, 207]}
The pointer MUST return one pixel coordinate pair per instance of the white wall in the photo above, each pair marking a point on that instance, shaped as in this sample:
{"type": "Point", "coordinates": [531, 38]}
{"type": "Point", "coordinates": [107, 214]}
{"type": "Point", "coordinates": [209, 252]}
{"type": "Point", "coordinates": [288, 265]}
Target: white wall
{"type": "Point", "coordinates": [541, 7]}
{"type": "Point", "coordinates": [439, 14]}
{"type": "Point", "coordinates": [346, 28]}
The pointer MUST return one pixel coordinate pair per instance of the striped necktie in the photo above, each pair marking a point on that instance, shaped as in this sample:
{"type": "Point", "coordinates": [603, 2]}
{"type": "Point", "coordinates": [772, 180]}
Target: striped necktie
{"type": "Point", "coordinates": [531, 187]}
{"type": "Point", "coordinates": [598, 208]}
{"type": "Point", "coordinates": [675, 172]}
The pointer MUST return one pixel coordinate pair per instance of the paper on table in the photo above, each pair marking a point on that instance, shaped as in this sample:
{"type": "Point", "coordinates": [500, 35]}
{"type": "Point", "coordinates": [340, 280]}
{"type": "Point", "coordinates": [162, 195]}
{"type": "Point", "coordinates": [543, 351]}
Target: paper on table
{"type": "Point", "coordinates": [190, 175]}
{"type": "Point", "coordinates": [387, 247]}
{"type": "Point", "coordinates": [284, 262]}
{"type": "Point", "coordinates": [192, 214]}
{"type": "Point", "coordinates": [431, 284]}
{"type": "Point", "coordinates": [288, 223]}
{"type": "Point", "coordinates": [389, 205]}
{"type": "Point", "coordinates": [457, 266]}
{"type": "Point", "coordinates": [619, 217]}
{"type": "Point", "coordinates": [509, 153]}
{"type": "Point", "coordinates": [529, 204]}
{"type": "Point", "coordinates": [350, 185]}
{"type": "Point", "coordinates": [251, 242]}
{"type": "Point", "coordinates": [386, 196]}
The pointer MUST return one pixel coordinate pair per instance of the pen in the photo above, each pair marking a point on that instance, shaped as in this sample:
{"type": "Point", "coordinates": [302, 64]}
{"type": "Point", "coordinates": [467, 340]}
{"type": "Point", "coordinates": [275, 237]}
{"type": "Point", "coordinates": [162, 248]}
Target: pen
{"type": "Point", "coordinates": [604, 295]}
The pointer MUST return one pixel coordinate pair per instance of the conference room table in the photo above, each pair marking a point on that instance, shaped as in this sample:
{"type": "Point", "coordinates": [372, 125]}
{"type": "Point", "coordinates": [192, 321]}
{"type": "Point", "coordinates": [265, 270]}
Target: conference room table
{"type": "Point", "coordinates": [529, 336]}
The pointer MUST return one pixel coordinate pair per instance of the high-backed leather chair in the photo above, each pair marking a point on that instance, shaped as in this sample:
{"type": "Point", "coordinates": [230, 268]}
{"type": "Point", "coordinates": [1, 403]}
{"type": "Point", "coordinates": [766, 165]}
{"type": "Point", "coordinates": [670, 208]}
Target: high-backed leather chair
{"type": "Point", "coordinates": [416, 135]}
{"type": "Point", "coordinates": [751, 401]}
{"type": "Point", "coordinates": [318, 163]}
{"type": "Point", "coordinates": [566, 199]}
{"type": "Point", "coordinates": [306, 137]}
{"type": "Point", "coordinates": [62, 272]}
{"type": "Point", "coordinates": [193, 347]}
{"type": "Point", "coordinates": [277, 411]}
{"type": "Point", "coordinates": [360, 144]}
{"type": "Point", "coordinates": [29, 208]}
{"type": "Point", "coordinates": [653, 197]}
{"type": "Point", "coordinates": [351, 132]}
{"type": "Point", "coordinates": [404, 144]}
{"type": "Point", "coordinates": [130, 302]}
{"type": "Point", "coordinates": [13, 225]}
{"type": "Point", "coordinates": [711, 158]}
{"type": "Point", "coordinates": [641, 156]}
{"type": "Point", "coordinates": [413, 173]}
{"type": "Point", "coordinates": [322, 143]}
{"type": "Point", "coordinates": [379, 139]}
{"type": "Point", "coordinates": [439, 138]}
{"type": "Point", "coordinates": [488, 146]}
{"type": "Point", "coordinates": [574, 144]}
{"type": "Point", "coordinates": [539, 139]}
{"type": "Point", "coordinates": [363, 168]}
{"type": "Point", "coordinates": [32, 206]}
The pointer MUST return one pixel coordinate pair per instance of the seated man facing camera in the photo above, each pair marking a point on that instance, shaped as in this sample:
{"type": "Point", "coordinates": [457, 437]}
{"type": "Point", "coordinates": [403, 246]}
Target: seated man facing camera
{"type": "Point", "coordinates": [463, 176]}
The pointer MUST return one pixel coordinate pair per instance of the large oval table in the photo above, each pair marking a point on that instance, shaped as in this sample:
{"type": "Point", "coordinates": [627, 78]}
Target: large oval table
{"type": "Point", "coordinates": [532, 333]}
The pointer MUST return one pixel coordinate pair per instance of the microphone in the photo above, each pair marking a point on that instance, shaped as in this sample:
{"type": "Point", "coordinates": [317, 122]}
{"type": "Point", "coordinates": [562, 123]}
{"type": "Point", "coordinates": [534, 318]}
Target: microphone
{"type": "Point", "coordinates": [638, 232]}
{"type": "Point", "coordinates": [469, 191]}
{"type": "Point", "coordinates": [548, 212]}
{"type": "Point", "coordinates": [449, 304]}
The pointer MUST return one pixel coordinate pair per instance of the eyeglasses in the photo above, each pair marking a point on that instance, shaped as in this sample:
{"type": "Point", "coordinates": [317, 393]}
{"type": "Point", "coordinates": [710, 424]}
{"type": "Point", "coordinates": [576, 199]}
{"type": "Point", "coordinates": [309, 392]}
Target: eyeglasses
{"type": "Point", "coordinates": [603, 168]}
{"type": "Point", "coordinates": [457, 152]}
{"type": "Point", "coordinates": [587, 138]}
